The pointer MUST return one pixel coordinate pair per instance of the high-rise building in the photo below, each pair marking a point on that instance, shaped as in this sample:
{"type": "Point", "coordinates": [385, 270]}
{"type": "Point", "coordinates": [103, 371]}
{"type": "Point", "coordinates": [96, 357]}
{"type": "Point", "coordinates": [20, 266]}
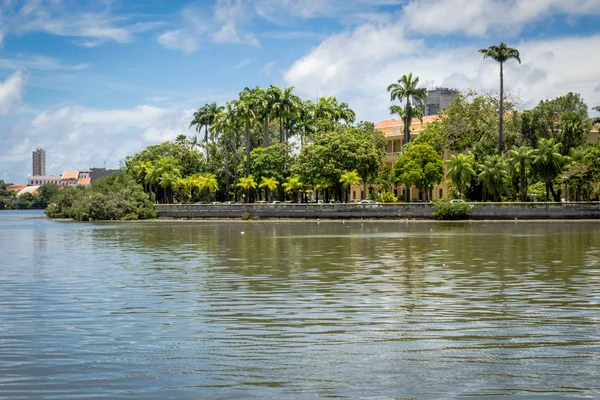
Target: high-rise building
{"type": "Point", "coordinates": [439, 99]}
{"type": "Point", "coordinates": [39, 162]}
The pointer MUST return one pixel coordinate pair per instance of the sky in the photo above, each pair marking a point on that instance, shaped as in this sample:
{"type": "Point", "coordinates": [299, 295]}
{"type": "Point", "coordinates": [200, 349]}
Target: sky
{"type": "Point", "coordinates": [92, 82]}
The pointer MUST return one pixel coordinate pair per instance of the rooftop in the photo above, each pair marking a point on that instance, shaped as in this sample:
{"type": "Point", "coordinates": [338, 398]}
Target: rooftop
{"type": "Point", "coordinates": [70, 175]}
{"type": "Point", "coordinates": [390, 123]}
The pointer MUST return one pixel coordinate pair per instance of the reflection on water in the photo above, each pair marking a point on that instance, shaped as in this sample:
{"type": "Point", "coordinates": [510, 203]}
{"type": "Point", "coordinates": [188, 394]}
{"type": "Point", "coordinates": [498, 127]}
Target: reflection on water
{"type": "Point", "coordinates": [227, 310]}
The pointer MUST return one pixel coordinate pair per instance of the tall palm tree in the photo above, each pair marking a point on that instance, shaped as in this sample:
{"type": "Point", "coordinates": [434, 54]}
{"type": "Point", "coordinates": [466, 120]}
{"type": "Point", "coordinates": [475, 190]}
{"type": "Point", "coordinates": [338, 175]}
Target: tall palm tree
{"type": "Point", "coordinates": [205, 117]}
{"type": "Point", "coordinates": [247, 183]}
{"type": "Point", "coordinates": [141, 169]}
{"type": "Point", "coordinates": [407, 88]}
{"type": "Point", "coordinates": [347, 179]}
{"type": "Point", "coordinates": [285, 104]}
{"type": "Point", "coordinates": [520, 159]}
{"type": "Point", "coordinates": [548, 162]}
{"type": "Point", "coordinates": [501, 54]}
{"type": "Point", "coordinates": [167, 171]}
{"type": "Point", "coordinates": [269, 184]}
{"type": "Point", "coordinates": [460, 172]}
{"type": "Point", "coordinates": [493, 175]}
{"type": "Point", "coordinates": [247, 110]}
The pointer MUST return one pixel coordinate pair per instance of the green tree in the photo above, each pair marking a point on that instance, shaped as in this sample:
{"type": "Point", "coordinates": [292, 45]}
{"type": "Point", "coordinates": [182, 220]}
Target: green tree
{"type": "Point", "coordinates": [521, 159]}
{"type": "Point", "coordinates": [292, 186]}
{"type": "Point", "coordinates": [284, 104]}
{"type": "Point", "coordinates": [501, 54]}
{"type": "Point", "coordinates": [349, 178]}
{"type": "Point", "coordinates": [45, 194]}
{"type": "Point", "coordinates": [247, 183]}
{"type": "Point", "coordinates": [270, 184]}
{"type": "Point", "coordinates": [548, 163]}
{"type": "Point", "coordinates": [205, 117]}
{"type": "Point", "coordinates": [406, 88]}
{"type": "Point", "coordinates": [493, 176]}
{"type": "Point", "coordinates": [461, 172]}
{"type": "Point", "coordinates": [421, 166]}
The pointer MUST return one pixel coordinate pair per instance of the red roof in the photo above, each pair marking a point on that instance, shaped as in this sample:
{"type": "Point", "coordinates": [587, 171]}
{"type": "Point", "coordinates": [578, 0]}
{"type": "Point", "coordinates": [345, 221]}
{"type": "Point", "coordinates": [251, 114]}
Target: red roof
{"type": "Point", "coordinates": [389, 123]}
{"type": "Point", "coordinates": [16, 187]}
{"type": "Point", "coordinates": [83, 181]}
{"type": "Point", "coordinates": [70, 175]}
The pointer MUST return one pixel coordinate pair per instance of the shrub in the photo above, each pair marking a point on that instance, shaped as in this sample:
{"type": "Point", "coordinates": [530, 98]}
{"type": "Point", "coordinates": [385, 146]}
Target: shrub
{"type": "Point", "coordinates": [444, 209]}
{"type": "Point", "coordinates": [110, 198]}
{"type": "Point", "coordinates": [388, 197]}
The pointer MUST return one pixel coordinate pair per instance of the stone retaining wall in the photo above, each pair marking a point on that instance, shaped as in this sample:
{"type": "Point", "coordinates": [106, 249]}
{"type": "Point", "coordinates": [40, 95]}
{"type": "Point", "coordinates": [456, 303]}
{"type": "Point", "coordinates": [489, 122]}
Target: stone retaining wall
{"type": "Point", "coordinates": [499, 211]}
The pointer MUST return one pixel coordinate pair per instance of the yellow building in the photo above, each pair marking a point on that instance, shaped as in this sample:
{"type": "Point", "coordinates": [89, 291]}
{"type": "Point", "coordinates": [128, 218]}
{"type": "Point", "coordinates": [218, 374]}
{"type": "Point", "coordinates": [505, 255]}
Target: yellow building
{"type": "Point", "coordinates": [393, 130]}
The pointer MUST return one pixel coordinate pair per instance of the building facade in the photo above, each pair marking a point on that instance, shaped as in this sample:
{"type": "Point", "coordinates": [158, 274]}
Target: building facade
{"type": "Point", "coordinates": [39, 162]}
{"type": "Point", "coordinates": [439, 99]}
{"type": "Point", "coordinates": [38, 180]}
{"type": "Point", "coordinates": [393, 131]}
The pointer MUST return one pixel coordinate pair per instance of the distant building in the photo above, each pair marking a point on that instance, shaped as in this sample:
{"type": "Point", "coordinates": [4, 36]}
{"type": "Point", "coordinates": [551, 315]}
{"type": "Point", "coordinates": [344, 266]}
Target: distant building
{"type": "Point", "coordinates": [37, 180]}
{"type": "Point", "coordinates": [97, 173]}
{"type": "Point", "coordinates": [16, 187]}
{"type": "Point", "coordinates": [69, 178]}
{"type": "Point", "coordinates": [439, 99]}
{"type": "Point", "coordinates": [39, 162]}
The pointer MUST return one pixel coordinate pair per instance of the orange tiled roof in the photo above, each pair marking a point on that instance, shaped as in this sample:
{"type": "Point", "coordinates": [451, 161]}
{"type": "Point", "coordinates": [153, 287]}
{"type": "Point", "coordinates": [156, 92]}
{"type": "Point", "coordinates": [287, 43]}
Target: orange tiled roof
{"type": "Point", "coordinates": [83, 181]}
{"type": "Point", "coordinates": [70, 175]}
{"type": "Point", "coordinates": [389, 123]}
{"type": "Point", "coordinates": [16, 187]}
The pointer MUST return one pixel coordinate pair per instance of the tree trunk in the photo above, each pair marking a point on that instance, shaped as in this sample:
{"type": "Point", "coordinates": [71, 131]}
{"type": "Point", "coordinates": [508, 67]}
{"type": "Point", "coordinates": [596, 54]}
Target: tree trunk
{"type": "Point", "coordinates": [206, 142]}
{"type": "Point", "coordinates": [267, 130]}
{"type": "Point", "coordinates": [501, 109]}
{"type": "Point", "coordinates": [165, 199]}
{"type": "Point", "coordinates": [282, 135]}
{"type": "Point", "coordinates": [226, 172]}
{"type": "Point", "coordinates": [247, 148]}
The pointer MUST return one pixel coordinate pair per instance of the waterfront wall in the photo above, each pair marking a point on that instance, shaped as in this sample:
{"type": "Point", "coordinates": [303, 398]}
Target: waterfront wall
{"type": "Point", "coordinates": [498, 211]}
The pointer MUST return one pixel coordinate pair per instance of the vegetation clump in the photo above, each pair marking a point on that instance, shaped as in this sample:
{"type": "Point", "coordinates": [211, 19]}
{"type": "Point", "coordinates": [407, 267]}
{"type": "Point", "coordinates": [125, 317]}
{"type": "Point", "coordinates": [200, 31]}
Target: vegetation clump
{"type": "Point", "coordinates": [110, 198]}
{"type": "Point", "coordinates": [444, 209]}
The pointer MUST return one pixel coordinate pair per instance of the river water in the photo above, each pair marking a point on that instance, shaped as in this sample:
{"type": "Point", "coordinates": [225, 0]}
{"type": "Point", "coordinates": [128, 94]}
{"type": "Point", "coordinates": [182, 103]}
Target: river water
{"type": "Point", "coordinates": [298, 310]}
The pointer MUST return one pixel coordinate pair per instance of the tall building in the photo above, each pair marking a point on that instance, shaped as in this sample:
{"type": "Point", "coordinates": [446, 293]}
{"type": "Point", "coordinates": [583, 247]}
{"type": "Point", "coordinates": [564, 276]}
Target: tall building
{"type": "Point", "coordinates": [39, 162]}
{"type": "Point", "coordinates": [439, 99]}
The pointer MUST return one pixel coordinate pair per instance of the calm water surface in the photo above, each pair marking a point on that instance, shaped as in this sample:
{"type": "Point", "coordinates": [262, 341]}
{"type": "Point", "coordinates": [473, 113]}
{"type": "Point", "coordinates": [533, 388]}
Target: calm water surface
{"type": "Point", "coordinates": [302, 310]}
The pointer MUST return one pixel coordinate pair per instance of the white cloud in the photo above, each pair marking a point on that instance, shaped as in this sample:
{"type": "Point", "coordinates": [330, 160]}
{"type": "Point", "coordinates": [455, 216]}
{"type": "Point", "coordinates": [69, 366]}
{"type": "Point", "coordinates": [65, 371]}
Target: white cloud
{"type": "Point", "coordinates": [57, 18]}
{"type": "Point", "coordinates": [178, 40]}
{"type": "Point", "coordinates": [358, 65]}
{"type": "Point", "coordinates": [11, 92]}
{"type": "Point", "coordinates": [79, 137]}
{"type": "Point", "coordinates": [36, 62]}
{"type": "Point", "coordinates": [479, 17]}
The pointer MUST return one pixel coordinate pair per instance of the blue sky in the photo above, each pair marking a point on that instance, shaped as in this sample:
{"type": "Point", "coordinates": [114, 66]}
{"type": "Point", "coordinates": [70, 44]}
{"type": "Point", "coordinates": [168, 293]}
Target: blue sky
{"type": "Point", "coordinates": [92, 82]}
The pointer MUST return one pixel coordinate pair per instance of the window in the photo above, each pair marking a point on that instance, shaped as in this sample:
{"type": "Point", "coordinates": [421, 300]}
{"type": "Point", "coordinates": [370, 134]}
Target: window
{"type": "Point", "coordinates": [354, 195]}
{"type": "Point", "coordinates": [394, 146]}
{"type": "Point", "coordinates": [441, 193]}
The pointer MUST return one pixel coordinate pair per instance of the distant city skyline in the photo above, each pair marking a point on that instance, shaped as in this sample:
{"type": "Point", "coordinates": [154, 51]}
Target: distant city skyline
{"type": "Point", "coordinates": [94, 82]}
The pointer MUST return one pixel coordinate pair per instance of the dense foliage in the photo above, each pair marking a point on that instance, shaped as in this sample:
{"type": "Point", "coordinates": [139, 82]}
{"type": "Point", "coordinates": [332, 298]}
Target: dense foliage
{"type": "Point", "coordinates": [116, 197]}
{"type": "Point", "coordinates": [444, 209]}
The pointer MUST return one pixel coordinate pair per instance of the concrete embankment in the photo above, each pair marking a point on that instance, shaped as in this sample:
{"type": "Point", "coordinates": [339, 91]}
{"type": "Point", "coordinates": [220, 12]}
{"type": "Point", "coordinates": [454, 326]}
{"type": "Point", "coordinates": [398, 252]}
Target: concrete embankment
{"type": "Point", "coordinates": [488, 211]}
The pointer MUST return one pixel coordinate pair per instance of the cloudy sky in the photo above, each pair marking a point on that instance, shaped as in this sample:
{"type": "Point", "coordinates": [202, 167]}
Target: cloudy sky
{"type": "Point", "coordinates": [93, 82]}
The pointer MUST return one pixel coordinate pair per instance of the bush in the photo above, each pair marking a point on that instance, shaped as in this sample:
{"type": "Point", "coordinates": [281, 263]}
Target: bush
{"type": "Point", "coordinates": [444, 209]}
{"type": "Point", "coordinates": [388, 197]}
{"type": "Point", "coordinates": [110, 198]}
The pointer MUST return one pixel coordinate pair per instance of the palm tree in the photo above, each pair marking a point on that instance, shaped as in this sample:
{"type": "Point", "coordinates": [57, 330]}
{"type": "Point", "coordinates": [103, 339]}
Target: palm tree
{"type": "Point", "coordinates": [270, 184]}
{"type": "Point", "coordinates": [347, 179]}
{"type": "Point", "coordinates": [210, 184]}
{"type": "Point", "coordinates": [460, 172]}
{"type": "Point", "coordinates": [247, 183]}
{"type": "Point", "coordinates": [406, 88]}
{"type": "Point", "coordinates": [246, 106]}
{"type": "Point", "coordinates": [520, 159]}
{"type": "Point", "coordinates": [548, 162]}
{"type": "Point", "coordinates": [205, 117]}
{"type": "Point", "coordinates": [166, 172]}
{"type": "Point", "coordinates": [293, 185]}
{"type": "Point", "coordinates": [141, 169]}
{"type": "Point", "coordinates": [285, 103]}
{"type": "Point", "coordinates": [493, 175]}
{"type": "Point", "coordinates": [501, 54]}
